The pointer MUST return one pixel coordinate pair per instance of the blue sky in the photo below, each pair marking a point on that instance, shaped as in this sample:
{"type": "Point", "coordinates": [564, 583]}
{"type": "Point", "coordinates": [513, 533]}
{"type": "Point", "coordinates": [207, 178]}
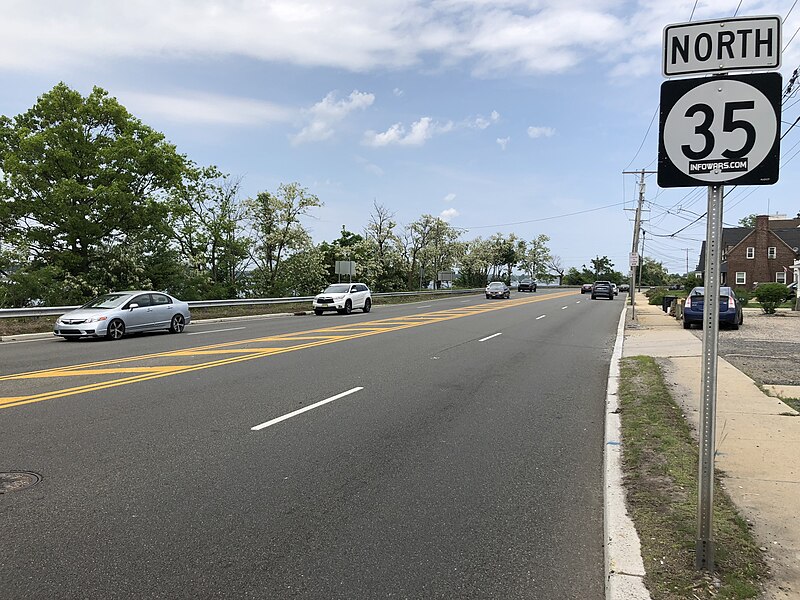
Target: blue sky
{"type": "Point", "coordinates": [487, 113]}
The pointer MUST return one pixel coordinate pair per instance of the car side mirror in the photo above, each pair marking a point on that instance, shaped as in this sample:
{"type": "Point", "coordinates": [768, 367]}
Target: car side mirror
{"type": "Point", "coordinates": [132, 306]}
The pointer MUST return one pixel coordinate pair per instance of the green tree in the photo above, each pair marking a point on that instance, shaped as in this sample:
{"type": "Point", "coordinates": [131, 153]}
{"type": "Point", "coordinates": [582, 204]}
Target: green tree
{"type": "Point", "coordinates": [207, 221]}
{"type": "Point", "coordinates": [748, 221]}
{"type": "Point", "coordinates": [653, 272]}
{"type": "Point", "coordinates": [536, 258]}
{"type": "Point", "coordinates": [82, 181]}
{"type": "Point", "coordinates": [277, 233]}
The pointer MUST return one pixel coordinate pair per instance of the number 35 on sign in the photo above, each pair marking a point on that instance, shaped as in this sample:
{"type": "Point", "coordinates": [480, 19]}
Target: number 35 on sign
{"type": "Point", "coordinates": [720, 130]}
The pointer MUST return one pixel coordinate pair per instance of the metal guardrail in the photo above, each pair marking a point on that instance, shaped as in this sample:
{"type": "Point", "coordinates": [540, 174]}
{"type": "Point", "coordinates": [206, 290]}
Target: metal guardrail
{"type": "Point", "coordinates": [46, 311]}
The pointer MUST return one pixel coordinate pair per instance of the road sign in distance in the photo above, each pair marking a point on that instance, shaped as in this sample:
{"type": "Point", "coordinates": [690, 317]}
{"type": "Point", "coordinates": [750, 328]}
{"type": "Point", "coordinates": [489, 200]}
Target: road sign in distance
{"type": "Point", "coordinates": [720, 130]}
{"type": "Point", "coordinates": [723, 45]}
{"type": "Point", "coordinates": [633, 259]}
{"type": "Point", "coordinates": [344, 267]}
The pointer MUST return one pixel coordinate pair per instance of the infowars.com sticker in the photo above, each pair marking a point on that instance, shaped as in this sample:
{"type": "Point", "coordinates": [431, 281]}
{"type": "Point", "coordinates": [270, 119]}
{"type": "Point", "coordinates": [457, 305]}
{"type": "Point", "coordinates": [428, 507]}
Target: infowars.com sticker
{"type": "Point", "coordinates": [717, 166]}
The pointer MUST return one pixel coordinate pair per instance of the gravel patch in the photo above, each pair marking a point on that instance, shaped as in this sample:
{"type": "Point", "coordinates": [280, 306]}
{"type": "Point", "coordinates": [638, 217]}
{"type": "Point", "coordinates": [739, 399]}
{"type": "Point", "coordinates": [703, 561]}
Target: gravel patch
{"type": "Point", "coordinates": [765, 347]}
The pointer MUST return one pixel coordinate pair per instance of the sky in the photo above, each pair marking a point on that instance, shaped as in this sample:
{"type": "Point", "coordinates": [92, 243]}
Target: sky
{"type": "Point", "coordinates": [496, 115]}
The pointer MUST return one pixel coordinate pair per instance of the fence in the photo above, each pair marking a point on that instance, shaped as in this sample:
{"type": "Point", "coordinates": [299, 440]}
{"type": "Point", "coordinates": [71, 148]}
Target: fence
{"type": "Point", "coordinates": [45, 311]}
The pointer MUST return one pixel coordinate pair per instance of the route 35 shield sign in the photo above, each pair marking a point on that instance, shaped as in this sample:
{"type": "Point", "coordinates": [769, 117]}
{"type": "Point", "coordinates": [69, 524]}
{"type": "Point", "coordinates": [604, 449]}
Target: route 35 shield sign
{"type": "Point", "coordinates": [720, 130]}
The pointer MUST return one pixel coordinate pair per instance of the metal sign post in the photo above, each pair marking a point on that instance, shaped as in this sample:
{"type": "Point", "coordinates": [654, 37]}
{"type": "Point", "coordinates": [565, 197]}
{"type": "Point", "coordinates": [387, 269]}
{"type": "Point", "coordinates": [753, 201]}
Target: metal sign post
{"type": "Point", "coordinates": [704, 548]}
{"type": "Point", "coordinates": [722, 130]}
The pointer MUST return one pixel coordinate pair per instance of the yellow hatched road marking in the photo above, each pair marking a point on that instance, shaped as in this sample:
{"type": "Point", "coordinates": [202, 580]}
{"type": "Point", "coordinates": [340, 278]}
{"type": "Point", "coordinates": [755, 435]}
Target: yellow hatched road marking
{"type": "Point", "coordinates": [394, 324]}
{"type": "Point", "coordinates": [75, 372]}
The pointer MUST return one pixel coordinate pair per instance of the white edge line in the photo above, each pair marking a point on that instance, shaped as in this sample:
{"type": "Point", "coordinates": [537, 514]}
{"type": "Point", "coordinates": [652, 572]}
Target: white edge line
{"type": "Point", "coordinates": [564, 307]}
{"type": "Point", "coordinates": [216, 330]}
{"type": "Point", "coordinates": [623, 555]}
{"type": "Point", "coordinates": [490, 337]}
{"type": "Point", "coordinates": [540, 317]}
{"type": "Point", "coordinates": [307, 408]}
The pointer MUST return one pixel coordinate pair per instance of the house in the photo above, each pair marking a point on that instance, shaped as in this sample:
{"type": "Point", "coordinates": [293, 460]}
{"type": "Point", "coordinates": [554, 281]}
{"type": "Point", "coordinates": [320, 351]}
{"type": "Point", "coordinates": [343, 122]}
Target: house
{"type": "Point", "coordinates": [765, 253]}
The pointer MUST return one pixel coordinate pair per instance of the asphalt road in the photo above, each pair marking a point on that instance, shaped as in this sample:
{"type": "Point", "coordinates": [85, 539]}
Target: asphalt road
{"type": "Point", "coordinates": [465, 461]}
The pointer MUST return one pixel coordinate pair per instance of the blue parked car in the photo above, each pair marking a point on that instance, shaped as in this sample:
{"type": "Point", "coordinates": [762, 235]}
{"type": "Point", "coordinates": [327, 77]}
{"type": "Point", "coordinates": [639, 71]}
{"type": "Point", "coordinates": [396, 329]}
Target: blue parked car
{"type": "Point", "coordinates": [730, 309]}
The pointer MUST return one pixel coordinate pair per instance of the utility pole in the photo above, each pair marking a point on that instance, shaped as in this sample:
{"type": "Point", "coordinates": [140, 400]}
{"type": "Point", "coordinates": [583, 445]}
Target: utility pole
{"type": "Point", "coordinates": [641, 262]}
{"type": "Point", "coordinates": [687, 262]}
{"type": "Point", "coordinates": [636, 227]}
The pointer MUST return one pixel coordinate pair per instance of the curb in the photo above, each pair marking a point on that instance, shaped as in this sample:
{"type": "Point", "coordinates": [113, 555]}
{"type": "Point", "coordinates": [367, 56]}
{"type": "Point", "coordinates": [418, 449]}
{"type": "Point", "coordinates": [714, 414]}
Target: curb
{"type": "Point", "coordinates": [623, 556]}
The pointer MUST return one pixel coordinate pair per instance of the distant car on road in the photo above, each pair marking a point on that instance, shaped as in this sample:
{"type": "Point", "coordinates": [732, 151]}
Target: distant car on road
{"type": "Point", "coordinates": [730, 309]}
{"type": "Point", "coordinates": [116, 314]}
{"type": "Point", "coordinates": [497, 289]}
{"type": "Point", "coordinates": [586, 288]}
{"type": "Point", "coordinates": [526, 285]}
{"type": "Point", "coordinates": [614, 287]}
{"type": "Point", "coordinates": [602, 289]}
{"type": "Point", "coordinates": [343, 298]}
{"type": "Point", "coordinates": [624, 287]}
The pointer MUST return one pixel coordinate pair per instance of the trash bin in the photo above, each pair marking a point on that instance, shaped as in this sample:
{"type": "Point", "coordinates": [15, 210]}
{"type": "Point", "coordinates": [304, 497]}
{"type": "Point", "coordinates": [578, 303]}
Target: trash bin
{"type": "Point", "coordinates": [667, 302]}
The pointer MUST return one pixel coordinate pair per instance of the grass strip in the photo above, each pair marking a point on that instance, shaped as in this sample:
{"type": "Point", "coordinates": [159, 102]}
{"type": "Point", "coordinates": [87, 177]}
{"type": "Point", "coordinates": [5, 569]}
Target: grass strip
{"type": "Point", "coordinates": [660, 475]}
{"type": "Point", "coordinates": [20, 325]}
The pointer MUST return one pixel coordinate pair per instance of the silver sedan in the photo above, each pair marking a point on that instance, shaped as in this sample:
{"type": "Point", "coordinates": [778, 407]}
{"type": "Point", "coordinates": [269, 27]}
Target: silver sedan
{"type": "Point", "coordinates": [115, 314]}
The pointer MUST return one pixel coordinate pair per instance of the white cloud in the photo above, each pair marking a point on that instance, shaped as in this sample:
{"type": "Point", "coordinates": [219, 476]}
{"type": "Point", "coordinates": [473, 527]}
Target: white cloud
{"type": "Point", "coordinates": [538, 132]}
{"type": "Point", "coordinates": [326, 113]}
{"type": "Point", "coordinates": [204, 108]}
{"type": "Point", "coordinates": [503, 142]}
{"type": "Point", "coordinates": [398, 92]}
{"type": "Point", "coordinates": [450, 197]}
{"type": "Point", "coordinates": [542, 36]}
{"type": "Point", "coordinates": [369, 166]}
{"type": "Point", "coordinates": [420, 132]}
{"type": "Point", "coordinates": [448, 214]}
{"type": "Point", "coordinates": [481, 122]}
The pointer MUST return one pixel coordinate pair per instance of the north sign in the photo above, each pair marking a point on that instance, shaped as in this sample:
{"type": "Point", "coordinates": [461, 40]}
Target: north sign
{"type": "Point", "coordinates": [722, 46]}
{"type": "Point", "coordinates": [720, 130]}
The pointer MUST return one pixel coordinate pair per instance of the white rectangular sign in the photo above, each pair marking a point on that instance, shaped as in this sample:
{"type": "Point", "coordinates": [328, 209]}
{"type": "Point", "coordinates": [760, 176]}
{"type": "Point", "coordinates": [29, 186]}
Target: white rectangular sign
{"type": "Point", "coordinates": [723, 45]}
{"type": "Point", "coordinates": [634, 259]}
{"type": "Point", "coordinates": [345, 267]}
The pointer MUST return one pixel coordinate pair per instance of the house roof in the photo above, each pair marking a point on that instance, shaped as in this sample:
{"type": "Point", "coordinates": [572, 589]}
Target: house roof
{"type": "Point", "coordinates": [733, 236]}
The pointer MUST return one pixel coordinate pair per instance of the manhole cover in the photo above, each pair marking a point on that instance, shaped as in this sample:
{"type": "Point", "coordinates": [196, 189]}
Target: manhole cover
{"type": "Point", "coordinates": [18, 480]}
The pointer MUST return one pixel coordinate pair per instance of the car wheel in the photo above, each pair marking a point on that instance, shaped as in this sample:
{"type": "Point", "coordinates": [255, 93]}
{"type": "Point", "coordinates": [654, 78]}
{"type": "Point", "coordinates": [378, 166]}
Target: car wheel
{"type": "Point", "coordinates": [348, 307]}
{"type": "Point", "coordinates": [593, 298]}
{"type": "Point", "coordinates": [367, 305]}
{"type": "Point", "coordinates": [488, 297]}
{"type": "Point", "coordinates": [115, 330]}
{"type": "Point", "coordinates": [317, 312]}
{"type": "Point", "coordinates": [178, 324]}
{"type": "Point", "coordinates": [734, 326]}
{"type": "Point", "coordinates": [686, 324]}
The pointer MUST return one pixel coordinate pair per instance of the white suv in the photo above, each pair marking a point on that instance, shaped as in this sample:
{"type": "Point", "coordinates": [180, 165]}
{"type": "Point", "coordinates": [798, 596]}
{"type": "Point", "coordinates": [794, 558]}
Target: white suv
{"type": "Point", "coordinates": [343, 298]}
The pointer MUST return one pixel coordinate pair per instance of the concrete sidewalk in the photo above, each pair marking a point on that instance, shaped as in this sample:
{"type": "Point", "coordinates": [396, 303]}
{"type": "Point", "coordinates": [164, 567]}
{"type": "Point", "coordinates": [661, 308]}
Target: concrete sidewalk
{"type": "Point", "coordinates": [758, 439]}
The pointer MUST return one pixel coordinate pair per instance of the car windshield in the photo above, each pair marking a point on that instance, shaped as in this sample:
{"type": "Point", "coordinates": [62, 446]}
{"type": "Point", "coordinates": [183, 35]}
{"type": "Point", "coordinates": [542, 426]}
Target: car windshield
{"type": "Point", "coordinates": [106, 301]}
{"type": "Point", "coordinates": [495, 286]}
{"type": "Point", "coordinates": [339, 288]}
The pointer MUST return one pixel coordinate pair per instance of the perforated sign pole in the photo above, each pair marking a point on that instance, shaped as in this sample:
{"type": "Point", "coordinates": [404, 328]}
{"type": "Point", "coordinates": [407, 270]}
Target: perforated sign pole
{"type": "Point", "coordinates": [704, 556]}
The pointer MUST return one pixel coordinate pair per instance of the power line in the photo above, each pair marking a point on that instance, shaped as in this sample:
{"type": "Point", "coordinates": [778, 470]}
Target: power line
{"type": "Point", "coordinates": [572, 214]}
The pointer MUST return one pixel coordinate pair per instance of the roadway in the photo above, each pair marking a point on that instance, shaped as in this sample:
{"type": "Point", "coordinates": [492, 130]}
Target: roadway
{"type": "Point", "coordinates": [448, 449]}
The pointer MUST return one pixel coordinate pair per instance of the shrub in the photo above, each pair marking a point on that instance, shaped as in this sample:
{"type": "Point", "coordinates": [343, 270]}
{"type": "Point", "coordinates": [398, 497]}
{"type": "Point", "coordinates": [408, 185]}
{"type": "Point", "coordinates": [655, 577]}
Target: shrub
{"type": "Point", "coordinates": [656, 295]}
{"type": "Point", "coordinates": [742, 295]}
{"type": "Point", "coordinates": [771, 296]}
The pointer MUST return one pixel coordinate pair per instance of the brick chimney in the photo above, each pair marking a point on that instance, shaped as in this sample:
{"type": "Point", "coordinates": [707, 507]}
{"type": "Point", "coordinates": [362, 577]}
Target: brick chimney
{"type": "Point", "coordinates": [762, 222]}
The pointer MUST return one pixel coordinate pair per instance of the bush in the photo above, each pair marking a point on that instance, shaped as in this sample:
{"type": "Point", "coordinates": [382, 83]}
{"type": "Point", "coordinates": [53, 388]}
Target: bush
{"type": "Point", "coordinates": [771, 296]}
{"type": "Point", "coordinates": [743, 296]}
{"type": "Point", "coordinates": [656, 295]}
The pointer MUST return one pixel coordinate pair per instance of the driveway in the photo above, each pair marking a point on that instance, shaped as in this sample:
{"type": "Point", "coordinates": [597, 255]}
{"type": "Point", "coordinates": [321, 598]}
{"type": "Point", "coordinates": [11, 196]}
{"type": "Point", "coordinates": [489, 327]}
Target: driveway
{"type": "Point", "coordinates": [766, 347]}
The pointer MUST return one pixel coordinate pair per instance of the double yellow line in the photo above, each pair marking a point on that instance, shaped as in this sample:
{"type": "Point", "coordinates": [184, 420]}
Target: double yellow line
{"type": "Point", "coordinates": [309, 339]}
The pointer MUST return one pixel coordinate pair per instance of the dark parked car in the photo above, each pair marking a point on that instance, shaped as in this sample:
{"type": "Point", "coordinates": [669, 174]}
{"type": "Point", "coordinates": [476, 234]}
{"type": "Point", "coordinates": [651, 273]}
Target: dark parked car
{"type": "Point", "coordinates": [498, 289]}
{"type": "Point", "coordinates": [586, 288]}
{"type": "Point", "coordinates": [730, 309]}
{"type": "Point", "coordinates": [526, 285]}
{"type": "Point", "coordinates": [602, 289]}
